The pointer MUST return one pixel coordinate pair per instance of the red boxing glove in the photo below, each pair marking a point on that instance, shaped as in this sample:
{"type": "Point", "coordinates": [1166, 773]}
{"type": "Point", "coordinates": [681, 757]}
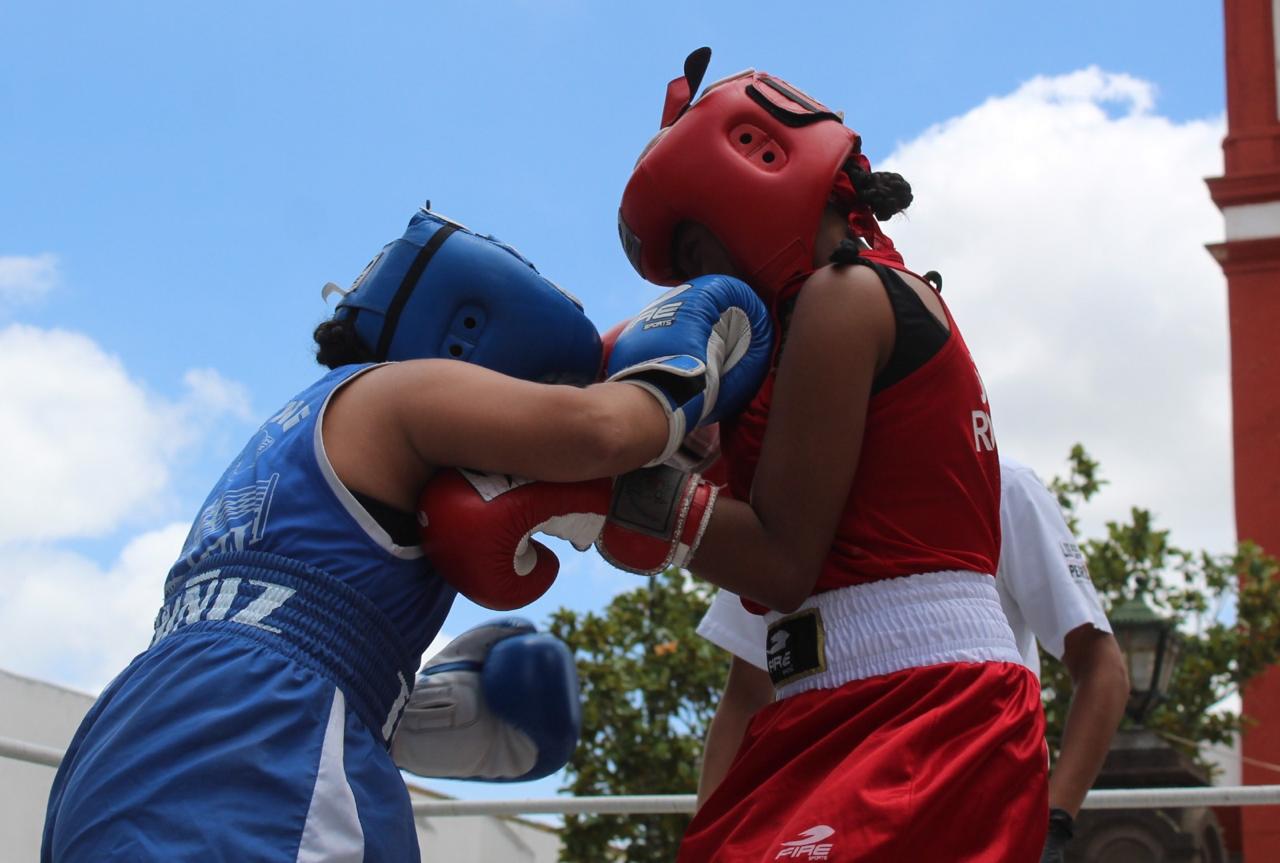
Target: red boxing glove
{"type": "Point", "coordinates": [657, 517]}
{"type": "Point", "coordinates": [475, 528]}
{"type": "Point", "coordinates": [607, 340]}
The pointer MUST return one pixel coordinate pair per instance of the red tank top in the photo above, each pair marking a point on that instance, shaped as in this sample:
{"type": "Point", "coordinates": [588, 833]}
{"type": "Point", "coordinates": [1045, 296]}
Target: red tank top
{"type": "Point", "coordinates": [926, 492]}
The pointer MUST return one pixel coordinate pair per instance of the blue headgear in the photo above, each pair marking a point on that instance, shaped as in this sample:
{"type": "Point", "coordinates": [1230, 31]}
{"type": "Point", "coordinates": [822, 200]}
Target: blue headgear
{"type": "Point", "coordinates": [442, 290]}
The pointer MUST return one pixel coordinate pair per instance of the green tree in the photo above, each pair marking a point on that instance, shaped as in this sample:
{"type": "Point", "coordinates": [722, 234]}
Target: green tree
{"type": "Point", "coordinates": [1227, 605]}
{"type": "Point", "coordinates": [650, 686]}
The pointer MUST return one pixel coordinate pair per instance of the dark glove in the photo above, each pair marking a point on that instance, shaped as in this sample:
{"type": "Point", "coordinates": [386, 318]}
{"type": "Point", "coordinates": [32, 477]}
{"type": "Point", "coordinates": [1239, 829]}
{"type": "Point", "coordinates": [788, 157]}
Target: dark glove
{"type": "Point", "coordinates": [1060, 832]}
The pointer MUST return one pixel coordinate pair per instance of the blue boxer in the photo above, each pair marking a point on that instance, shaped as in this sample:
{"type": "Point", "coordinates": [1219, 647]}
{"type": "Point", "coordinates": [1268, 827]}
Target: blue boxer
{"type": "Point", "coordinates": [257, 724]}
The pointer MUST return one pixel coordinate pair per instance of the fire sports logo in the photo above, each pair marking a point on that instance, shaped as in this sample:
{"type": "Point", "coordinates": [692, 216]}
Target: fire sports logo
{"type": "Point", "coordinates": [811, 845]}
{"type": "Point", "coordinates": [661, 312]}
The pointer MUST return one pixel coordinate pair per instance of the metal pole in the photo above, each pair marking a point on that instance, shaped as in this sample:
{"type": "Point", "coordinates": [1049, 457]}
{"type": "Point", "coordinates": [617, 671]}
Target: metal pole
{"type": "Point", "coordinates": [676, 804]}
{"type": "Point", "coordinates": [667, 804]}
{"type": "Point", "coordinates": [1174, 798]}
{"type": "Point", "coordinates": [653, 804]}
{"type": "Point", "coordinates": [31, 752]}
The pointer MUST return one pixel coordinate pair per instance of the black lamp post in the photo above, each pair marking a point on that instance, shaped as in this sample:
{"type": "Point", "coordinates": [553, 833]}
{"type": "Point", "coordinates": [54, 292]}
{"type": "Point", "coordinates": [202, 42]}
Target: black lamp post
{"type": "Point", "coordinates": [1151, 646]}
{"type": "Point", "coordinates": [1140, 758]}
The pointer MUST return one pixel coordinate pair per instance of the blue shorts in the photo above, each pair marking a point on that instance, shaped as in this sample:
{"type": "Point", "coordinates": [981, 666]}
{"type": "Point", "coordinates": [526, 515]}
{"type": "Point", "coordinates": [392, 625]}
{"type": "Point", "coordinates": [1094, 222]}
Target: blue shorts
{"type": "Point", "coordinates": [244, 736]}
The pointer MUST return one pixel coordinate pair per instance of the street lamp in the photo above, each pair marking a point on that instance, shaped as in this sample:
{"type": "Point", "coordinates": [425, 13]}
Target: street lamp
{"type": "Point", "coordinates": [1151, 647]}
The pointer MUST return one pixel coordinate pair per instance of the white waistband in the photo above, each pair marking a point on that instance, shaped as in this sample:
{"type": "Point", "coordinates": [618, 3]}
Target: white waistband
{"type": "Point", "coordinates": [909, 622]}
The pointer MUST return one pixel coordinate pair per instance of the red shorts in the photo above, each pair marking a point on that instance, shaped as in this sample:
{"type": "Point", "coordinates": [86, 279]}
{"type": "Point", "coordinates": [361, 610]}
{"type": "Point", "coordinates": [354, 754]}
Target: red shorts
{"type": "Point", "coordinates": [942, 763]}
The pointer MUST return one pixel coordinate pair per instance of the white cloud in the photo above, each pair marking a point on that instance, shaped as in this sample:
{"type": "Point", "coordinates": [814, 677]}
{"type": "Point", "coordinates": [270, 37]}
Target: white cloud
{"type": "Point", "coordinates": [88, 450]}
{"type": "Point", "coordinates": [1071, 242]}
{"type": "Point", "coordinates": [87, 447]}
{"type": "Point", "coordinates": [1088, 88]}
{"type": "Point", "coordinates": [69, 619]}
{"type": "Point", "coordinates": [210, 392]}
{"type": "Point", "coordinates": [26, 278]}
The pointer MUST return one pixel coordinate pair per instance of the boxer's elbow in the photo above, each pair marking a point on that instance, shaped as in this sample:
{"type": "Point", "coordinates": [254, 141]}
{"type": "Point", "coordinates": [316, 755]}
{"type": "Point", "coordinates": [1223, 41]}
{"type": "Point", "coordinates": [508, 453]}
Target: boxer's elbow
{"type": "Point", "coordinates": [787, 596]}
{"type": "Point", "coordinates": [789, 585]}
{"type": "Point", "coordinates": [756, 558]}
{"type": "Point", "coordinates": [796, 580]}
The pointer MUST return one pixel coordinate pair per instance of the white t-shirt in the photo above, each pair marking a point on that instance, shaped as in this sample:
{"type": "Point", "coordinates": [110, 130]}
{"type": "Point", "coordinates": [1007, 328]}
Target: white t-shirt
{"type": "Point", "coordinates": [1042, 579]}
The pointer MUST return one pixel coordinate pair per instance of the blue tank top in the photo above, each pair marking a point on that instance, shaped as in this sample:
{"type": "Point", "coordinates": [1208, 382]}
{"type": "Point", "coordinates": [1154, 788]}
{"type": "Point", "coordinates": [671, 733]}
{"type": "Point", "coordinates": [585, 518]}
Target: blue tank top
{"type": "Point", "coordinates": [281, 496]}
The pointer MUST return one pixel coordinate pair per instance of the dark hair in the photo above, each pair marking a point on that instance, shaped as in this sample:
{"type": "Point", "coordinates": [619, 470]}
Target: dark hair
{"type": "Point", "coordinates": [885, 192]}
{"type": "Point", "coordinates": [338, 345]}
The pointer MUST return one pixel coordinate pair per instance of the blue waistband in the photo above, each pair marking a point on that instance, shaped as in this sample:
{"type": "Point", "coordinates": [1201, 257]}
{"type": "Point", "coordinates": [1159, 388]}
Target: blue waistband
{"type": "Point", "coordinates": [305, 614]}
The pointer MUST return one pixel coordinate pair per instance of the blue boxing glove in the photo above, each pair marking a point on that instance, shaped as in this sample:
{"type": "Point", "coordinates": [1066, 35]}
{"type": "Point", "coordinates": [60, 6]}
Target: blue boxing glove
{"type": "Point", "coordinates": [702, 350]}
{"type": "Point", "coordinates": [499, 704]}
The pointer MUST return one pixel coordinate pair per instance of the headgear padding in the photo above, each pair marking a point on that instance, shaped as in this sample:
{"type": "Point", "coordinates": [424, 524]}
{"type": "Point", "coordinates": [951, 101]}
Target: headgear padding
{"type": "Point", "coordinates": [442, 290]}
{"type": "Point", "coordinates": [753, 160]}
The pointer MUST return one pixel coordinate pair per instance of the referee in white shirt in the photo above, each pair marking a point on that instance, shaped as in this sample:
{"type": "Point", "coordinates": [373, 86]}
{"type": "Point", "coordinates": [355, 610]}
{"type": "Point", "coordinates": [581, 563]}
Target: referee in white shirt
{"type": "Point", "coordinates": [1045, 589]}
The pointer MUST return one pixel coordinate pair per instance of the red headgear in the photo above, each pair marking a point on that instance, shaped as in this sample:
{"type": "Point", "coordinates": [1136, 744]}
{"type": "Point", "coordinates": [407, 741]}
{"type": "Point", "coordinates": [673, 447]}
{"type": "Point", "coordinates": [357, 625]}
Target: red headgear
{"type": "Point", "coordinates": [754, 160]}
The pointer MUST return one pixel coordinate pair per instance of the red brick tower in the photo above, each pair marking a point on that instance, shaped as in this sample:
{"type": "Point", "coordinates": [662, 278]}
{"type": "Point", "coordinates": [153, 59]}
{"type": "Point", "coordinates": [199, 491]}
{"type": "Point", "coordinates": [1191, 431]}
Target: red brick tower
{"type": "Point", "coordinates": [1249, 196]}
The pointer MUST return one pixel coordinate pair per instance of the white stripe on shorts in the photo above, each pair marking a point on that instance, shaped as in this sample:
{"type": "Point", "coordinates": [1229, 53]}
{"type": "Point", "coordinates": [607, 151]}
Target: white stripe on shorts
{"type": "Point", "coordinates": [332, 833]}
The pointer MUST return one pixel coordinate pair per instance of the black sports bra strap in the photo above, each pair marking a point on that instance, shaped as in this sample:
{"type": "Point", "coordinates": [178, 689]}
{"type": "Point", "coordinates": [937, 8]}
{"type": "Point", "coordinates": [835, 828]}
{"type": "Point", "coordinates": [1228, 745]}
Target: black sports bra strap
{"type": "Point", "coordinates": [918, 334]}
{"type": "Point", "coordinates": [401, 526]}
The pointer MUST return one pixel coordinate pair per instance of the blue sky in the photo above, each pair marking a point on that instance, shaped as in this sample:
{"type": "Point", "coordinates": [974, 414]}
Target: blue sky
{"type": "Point", "coordinates": [195, 174]}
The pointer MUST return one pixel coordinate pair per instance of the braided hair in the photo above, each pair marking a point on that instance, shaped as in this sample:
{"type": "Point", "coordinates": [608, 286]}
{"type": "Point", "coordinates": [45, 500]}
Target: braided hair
{"type": "Point", "coordinates": [885, 192]}
{"type": "Point", "coordinates": [337, 344]}
{"type": "Point", "coordinates": [882, 194]}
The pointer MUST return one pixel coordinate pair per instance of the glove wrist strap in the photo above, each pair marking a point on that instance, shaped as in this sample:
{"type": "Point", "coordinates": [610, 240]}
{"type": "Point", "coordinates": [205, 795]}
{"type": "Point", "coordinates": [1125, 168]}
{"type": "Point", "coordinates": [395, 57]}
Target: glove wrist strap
{"type": "Point", "coordinates": [676, 425]}
{"type": "Point", "coordinates": [657, 519]}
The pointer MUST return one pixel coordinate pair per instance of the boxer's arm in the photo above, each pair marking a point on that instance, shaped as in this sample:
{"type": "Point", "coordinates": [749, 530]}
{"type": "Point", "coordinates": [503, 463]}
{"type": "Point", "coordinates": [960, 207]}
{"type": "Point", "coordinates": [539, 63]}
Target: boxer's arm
{"type": "Point", "coordinates": [386, 431]}
{"type": "Point", "coordinates": [703, 351]}
{"type": "Point", "coordinates": [771, 550]}
{"type": "Point", "coordinates": [746, 690]}
{"type": "Point", "coordinates": [461, 414]}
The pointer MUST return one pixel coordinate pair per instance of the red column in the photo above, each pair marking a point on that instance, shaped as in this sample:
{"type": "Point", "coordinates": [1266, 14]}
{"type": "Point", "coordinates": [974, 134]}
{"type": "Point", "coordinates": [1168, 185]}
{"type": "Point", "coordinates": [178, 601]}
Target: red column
{"type": "Point", "coordinates": [1249, 197]}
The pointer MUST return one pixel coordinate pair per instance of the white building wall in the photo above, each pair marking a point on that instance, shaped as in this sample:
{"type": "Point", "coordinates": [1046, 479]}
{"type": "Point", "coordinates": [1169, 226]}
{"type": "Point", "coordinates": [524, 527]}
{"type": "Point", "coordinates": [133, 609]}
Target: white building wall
{"type": "Point", "coordinates": [1226, 762]}
{"type": "Point", "coordinates": [455, 839]}
{"type": "Point", "coordinates": [36, 712]}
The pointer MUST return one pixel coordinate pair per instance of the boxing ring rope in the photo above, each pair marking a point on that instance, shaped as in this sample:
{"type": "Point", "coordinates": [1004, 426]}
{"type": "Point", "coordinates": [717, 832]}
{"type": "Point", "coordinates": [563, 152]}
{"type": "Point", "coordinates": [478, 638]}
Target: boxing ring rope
{"type": "Point", "coordinates": [682, 804]}
{"type": "Point", "coordinates": [32, 753]}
